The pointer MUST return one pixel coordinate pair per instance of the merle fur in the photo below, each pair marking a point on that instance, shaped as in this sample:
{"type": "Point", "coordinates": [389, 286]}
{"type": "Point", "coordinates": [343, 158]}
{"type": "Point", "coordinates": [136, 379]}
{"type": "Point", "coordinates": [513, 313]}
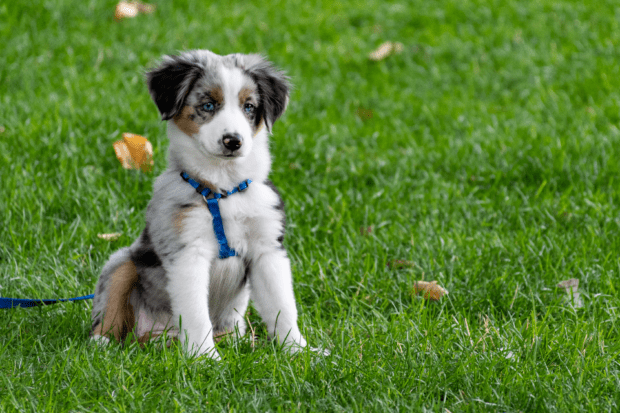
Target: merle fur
{"type": "Point", "coordinates": [279, 207]}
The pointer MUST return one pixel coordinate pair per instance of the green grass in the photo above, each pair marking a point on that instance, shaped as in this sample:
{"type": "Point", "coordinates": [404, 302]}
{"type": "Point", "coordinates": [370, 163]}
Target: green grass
{"type": "Point", "coordinates": [490, 161]}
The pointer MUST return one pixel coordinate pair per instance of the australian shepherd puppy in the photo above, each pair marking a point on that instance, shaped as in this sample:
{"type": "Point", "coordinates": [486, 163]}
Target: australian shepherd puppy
{"type": "Point", "coordinates": [190, 272]}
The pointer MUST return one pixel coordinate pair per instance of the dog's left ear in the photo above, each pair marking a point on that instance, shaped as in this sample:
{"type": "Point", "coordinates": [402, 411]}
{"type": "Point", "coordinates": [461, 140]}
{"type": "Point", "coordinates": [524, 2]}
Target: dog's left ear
{"type": "Point", "coordinates": [273, 86]}
{"type": "Point", "coordinates": [171, 82]}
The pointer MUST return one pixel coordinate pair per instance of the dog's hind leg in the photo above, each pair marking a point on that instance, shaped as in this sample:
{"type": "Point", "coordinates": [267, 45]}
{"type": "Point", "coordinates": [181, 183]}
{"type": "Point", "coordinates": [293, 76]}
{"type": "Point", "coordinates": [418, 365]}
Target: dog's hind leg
{"type": "Point", "coordinates": [112, 313]}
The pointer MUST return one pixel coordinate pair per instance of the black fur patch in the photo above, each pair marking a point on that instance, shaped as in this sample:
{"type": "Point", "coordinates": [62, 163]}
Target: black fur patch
{"type": "Point", "coordinates": [145, 255]}
{"type": "Point", "coordinates": [279, 207]}
{"type": "Point", "coordinates": [247, 264]}
{"type": "Point", "coordinates": [171, 82]}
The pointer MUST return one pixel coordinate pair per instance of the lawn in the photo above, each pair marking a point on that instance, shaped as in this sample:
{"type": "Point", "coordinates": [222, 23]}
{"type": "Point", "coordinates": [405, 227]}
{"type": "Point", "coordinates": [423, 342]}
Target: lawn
{"type": "Point", "coordinates": [484, 156]}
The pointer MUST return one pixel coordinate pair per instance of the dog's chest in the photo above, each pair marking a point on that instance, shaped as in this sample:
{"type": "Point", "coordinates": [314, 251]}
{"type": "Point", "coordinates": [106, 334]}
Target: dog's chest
{"type": "Point", "coordinates": [248, 221]}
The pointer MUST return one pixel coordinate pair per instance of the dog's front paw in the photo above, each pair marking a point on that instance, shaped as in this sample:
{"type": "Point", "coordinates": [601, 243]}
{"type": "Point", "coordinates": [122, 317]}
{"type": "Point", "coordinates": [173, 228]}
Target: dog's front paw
{"type": "Point", "coordinates": [320, 351]}
{"type": "Point", "coordinates": [294, 348]}
{"type": "Point", "coordinates": [203, 349]}
{"type": "Point", "coordinates": [294, 343]}
{"type": "Point", "coordinates": [208, 353]}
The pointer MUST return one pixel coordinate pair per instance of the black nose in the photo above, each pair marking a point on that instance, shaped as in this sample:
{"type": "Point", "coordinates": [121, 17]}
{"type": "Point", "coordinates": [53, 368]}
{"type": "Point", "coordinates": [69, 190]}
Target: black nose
{"type": "Point", "coordinates": [232, 141]}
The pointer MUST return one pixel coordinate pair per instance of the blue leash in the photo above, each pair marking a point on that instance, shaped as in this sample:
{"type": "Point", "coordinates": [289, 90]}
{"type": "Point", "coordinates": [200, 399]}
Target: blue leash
{"type": "Point", "coordinates": [214, 208]}
{"type": "Point", "coordinates": [218, 228]}
{"type": "Point", "coordinates": [25, 302]}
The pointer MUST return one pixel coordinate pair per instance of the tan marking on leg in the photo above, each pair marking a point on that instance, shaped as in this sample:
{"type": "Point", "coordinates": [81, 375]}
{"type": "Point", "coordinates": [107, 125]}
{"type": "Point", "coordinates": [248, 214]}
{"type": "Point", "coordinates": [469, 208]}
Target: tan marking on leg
{"type": "Point", "coordinates": [119, 317]}
{"type": "Point", "coordinates": [185, 121]}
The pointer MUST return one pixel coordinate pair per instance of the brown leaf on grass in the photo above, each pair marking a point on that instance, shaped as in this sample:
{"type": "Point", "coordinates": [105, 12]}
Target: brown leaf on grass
{"type": "Point", "coordinates": [134, 152]}
{"type": "Point", "coordinates": [400, 264]}
{"type": "Point", "coordinates": [364, 113]}
{"type": "Point", "coordinates": [129, 9]}
{"type": "Point", "coordinates": [123, 155]}
{"type": "Point", "coordinates": [431, 290]}
{"type": "Point", "coordinates": [110, 237]}
{"type": "Point", "coordinates": [566, 285]}
{"type": "Point", "coordinates": [2, 129]}
{"type": "Point", "coordinates": [125, 10]}
{"type": "Point", "coordinates": [570, 287]}
{"type": "Point", "coordinates": [385, 49]}
{"type": "Point", "coordinates": [146, 8]}
{"type": "Point", "coordinates": [366, 230]}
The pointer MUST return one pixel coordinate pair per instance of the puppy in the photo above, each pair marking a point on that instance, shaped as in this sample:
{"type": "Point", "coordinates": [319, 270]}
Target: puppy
{"type": "Point", "coordinates": [215, 224]}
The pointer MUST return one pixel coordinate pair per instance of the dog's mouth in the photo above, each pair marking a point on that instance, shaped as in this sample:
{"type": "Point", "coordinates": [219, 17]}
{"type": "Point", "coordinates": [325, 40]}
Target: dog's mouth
{"type": "Point", "coordinates": [230, 155]}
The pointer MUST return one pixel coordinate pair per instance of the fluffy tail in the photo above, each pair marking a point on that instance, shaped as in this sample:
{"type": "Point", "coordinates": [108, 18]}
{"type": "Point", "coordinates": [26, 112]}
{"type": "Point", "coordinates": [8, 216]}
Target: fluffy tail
{"type": "Point", "coordinates": [113, 314]}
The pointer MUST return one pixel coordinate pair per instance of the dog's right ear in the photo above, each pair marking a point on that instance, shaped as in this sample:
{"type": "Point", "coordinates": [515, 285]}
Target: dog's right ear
{"type": "Point", "coordinates": [170, 83]}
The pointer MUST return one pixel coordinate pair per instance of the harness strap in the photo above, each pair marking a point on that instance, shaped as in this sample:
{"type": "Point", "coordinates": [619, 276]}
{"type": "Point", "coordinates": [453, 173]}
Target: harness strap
{"type": "Point", "coordinates": [214, 208]}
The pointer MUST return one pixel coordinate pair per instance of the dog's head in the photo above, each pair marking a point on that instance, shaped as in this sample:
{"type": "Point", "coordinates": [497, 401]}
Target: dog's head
{"type": "Point", "coordinates": [222, 102]}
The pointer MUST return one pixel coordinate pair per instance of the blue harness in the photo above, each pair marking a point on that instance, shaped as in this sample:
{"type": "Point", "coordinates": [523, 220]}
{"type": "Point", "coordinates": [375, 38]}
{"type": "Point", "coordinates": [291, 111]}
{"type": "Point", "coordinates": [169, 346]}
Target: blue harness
{"type": "Point", "coordinates": [214, 208]}
{"type": "Point", "coordinates": [218, 228]}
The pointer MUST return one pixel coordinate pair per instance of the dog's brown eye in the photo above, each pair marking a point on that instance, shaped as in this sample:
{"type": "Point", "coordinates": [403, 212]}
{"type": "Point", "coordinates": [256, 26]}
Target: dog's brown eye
{"type": "Point", "coordinates": [248, 108]}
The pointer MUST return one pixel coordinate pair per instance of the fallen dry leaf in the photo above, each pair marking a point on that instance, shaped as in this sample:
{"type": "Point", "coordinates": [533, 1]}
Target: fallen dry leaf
{"type": "Point", "coordinates": [366, 230]}
{"type": "Point", "coordinates": [134, 152]}
{"type": "Point", "coordinates": [125, 10]}
{"type": "Point", "coordinates": [146, 8]}
{"type": "Point", "coordinates": [122, 153]}
{"type": "Point", "coordinates": [364, 113]}
{"type": "Point", "coordinates": [431, 290]}
{"type": "Point", "coordinates": [110, 237]}
{"type": "Point", "coordinates": [385, 49]}
{"type": "Point", "coordinates": [400, 264]}
{"type": "Point", "coordinates": [567, 286]}
{"type": "Point", "coordinates": [128, 9]}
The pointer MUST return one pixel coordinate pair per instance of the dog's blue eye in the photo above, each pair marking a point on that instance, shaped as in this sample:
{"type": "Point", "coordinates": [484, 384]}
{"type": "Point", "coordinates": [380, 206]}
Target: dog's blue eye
{"type": "Point", "coordinates": [248, 108]}
{"type": "Point", "coordinates": [208, 107]}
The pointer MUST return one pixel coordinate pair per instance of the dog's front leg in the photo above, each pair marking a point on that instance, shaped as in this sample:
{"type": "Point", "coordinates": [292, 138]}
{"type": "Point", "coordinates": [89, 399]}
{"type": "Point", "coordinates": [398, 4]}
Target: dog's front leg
{"type": "Point", "coordinates": [272, 294]}
{"type": "Point", "coordinates": [188, 288]}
